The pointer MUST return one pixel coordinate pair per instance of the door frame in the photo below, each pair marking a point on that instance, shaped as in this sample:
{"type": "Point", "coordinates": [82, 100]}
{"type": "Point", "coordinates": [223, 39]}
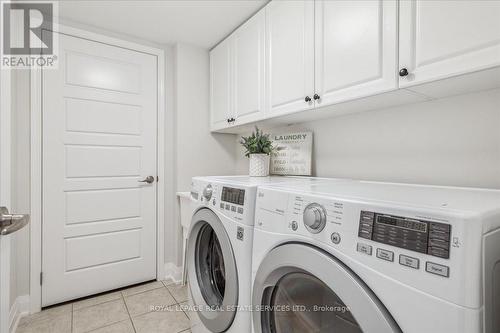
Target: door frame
{"type": "Point", "coordinates": [5, 194]}
{"type": "Point", "coordinates": [36, 158]}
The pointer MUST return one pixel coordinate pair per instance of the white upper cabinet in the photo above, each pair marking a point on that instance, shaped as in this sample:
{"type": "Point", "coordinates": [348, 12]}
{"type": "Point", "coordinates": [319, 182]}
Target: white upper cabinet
{"type": "Point", "coordinates": [248, 59]}
{"type": "Point", "coordinates": [290, 56]}
{"type": "Point", "coordinates": [220, 85]}
{"type": "Point", "coordinates": [440, 39]}
{"type": "Point", "coordinates": [298, 55]}
{"type": "Point", "coordinates": [355, 49]}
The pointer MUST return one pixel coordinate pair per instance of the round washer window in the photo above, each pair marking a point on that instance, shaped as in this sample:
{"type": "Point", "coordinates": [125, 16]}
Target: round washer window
{"type": "Point", "coordinates": [302, 303]}
{"type": "Point", "coordinates": [210, 270]}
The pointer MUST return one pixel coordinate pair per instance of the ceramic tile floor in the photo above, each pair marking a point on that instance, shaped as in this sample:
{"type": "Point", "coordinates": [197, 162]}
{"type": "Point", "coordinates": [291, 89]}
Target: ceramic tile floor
{"type": "Point", "coordinates": [150, 307]}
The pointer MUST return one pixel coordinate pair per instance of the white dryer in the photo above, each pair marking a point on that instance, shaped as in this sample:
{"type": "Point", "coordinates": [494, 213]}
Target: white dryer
{"type": "Point", "coordinates": [219, 250]}
{"type": "Point", "coordinates": [376, 257]}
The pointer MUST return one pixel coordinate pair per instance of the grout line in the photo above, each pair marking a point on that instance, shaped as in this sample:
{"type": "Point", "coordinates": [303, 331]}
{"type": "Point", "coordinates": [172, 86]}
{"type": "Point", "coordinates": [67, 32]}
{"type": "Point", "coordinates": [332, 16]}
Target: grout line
{"type": "Point", "coordinates": [72, 317]}
{"type": "Point", "coordinates": [94, 297]}
{"type": "Point", "coordinates": [128, 312]}
{"type": "Point", "coordinates": [141, 292]}
{"type": "Point", "coordinates": [89, 306]}
{"type": "Point", "coordinates": [107, 325]}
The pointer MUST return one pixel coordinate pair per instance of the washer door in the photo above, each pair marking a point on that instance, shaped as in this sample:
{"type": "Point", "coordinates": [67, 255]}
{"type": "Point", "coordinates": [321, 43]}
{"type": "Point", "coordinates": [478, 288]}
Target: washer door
{"type": "Point", "coordinates": [213, 279]}
{"type": "Point", "coordinates": [300, 288]}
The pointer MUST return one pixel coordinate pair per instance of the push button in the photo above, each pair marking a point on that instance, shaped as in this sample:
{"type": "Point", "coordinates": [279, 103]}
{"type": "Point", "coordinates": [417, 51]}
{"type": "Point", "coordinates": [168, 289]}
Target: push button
{"type": "Point", "coordinates": [409, 261]}
{"type": "Point", "coordinates": [240, 210]}
{"type": "Point", "coordinates": [438, 252]}
{"type": "Point", "coordinates": [437, 269]}
{"type": "Point", "coordinates": [441, 227]}
{"type": "Point", "coordinates": [221, 205]}
{"type": "Point", "coordinates": [335, 238]}
{"type": "Point", "coordinates": [385, 254]}
{"type": "Point", "coordinates": [364, 248]}
{"type": "Point", "coordinates": [233, 208]}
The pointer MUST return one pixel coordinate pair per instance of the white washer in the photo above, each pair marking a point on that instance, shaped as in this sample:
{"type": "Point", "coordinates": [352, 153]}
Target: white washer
{"type": "Point", "coordinates": [376, 257]}
{"type": "Point", "coordinates": [219, 250]}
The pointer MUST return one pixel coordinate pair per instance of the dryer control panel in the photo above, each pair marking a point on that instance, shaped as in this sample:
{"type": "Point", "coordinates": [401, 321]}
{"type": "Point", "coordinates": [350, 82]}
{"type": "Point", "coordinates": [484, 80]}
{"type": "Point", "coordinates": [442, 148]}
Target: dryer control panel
{"type": "Point", "coordinates": [422, 236]}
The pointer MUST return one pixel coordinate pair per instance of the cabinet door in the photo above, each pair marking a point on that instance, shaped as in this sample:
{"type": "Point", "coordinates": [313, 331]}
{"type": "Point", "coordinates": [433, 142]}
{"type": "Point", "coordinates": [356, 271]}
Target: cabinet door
{"type": "Point", "coordinates": [220, 85]}
{"type": "Point", "coordinates": [439, 39]}
{"type": "Point", "coordinates": [289, 55]}
{"type": "Point", "coordinates": [248, 68]}
{"type": "Point", "coordinates": [355, 49]}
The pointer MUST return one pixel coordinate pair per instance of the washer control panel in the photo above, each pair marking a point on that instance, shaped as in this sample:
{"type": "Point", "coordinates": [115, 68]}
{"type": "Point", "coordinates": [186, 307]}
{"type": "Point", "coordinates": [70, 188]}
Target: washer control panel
{"type": "Point", "coordinates": [422, 236]}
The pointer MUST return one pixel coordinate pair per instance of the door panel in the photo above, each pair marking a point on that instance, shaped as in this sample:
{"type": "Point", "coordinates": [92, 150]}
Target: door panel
{"type": "Point", "coordinates": [92, 245]}
{"type": "Point", "coordinates": [99, 140]}
{"type": "Point", "coordinates": [101, 117]}
{"type": "Point", "coordinates": [108, 204]}
{"type": "Point", "coordinates": [290, 55]}
{"type": "Point", "coordinates": [355, 48]}
{"type": "Point", "coordinates": [99, 72]}
{"type": "Point", "coordinates": [439, 39]}
{"type": "Point", "coordinates": [248, 56]}
{"type": "Point", "coordinates": [220, 85]}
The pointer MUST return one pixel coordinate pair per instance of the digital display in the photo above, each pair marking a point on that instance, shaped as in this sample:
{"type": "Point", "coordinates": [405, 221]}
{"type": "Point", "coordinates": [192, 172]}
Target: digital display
{"type": "Point", "coordinates": [233, 195]}
{"type": "Point", "coordinates": [402, 223]}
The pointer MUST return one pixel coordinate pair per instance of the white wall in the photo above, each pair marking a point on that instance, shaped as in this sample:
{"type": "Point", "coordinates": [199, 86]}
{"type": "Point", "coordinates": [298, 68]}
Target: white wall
{"type": "Point", "coordinates": [197, 151]}
{"type": "Point", "coordinates": [451, 141]}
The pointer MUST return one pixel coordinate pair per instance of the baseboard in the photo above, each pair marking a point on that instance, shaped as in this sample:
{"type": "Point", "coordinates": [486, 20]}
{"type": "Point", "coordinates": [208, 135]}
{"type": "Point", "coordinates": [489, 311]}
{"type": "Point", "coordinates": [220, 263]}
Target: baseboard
{"type": "Point", "coordinates": [20, 308]}
{"type": "Point", "coordinates": [173, 272]}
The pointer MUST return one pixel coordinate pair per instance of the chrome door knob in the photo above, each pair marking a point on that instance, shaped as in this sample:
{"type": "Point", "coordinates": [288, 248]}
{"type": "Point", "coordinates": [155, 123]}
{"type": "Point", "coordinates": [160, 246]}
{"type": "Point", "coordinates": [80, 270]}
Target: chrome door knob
{"type": "Point", "coordinates": [148, 179]}
{"type": "Point", "coordinates": [207, 192]}
{"type": "Point", "coordinates": [314, 217]}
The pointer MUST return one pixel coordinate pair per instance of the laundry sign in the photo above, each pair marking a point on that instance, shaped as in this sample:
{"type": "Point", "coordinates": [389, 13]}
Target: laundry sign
{"type": "Point", "coordinates": [292, 154]}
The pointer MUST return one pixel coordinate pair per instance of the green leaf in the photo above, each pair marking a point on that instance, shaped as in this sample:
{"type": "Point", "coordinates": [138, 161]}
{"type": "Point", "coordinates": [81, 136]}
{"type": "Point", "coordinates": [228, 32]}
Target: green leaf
{"type": "Point", "coordinates": [257, 143]}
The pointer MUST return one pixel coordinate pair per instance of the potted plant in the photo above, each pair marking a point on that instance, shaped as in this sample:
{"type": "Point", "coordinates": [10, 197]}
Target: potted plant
{"type": "Point", "coordinates": [258, 147]}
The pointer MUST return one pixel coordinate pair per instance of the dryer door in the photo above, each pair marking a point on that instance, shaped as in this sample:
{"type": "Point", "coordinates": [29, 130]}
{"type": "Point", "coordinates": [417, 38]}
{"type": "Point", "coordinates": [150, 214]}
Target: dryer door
{"type": "Point", "coordinates": [213, 279]}
{"type": "Point", "coordinates": [301, 288]}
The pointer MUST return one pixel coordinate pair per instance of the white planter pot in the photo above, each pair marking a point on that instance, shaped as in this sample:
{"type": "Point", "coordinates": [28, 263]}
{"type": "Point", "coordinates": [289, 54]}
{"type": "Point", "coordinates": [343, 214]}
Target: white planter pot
{"type": "Point", "coordinates": [259, 165]}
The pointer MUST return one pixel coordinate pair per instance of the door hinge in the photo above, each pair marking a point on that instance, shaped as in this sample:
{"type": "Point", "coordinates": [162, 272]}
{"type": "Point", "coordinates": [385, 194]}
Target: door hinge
{"type": "Point", "coordinates": [41, 278]}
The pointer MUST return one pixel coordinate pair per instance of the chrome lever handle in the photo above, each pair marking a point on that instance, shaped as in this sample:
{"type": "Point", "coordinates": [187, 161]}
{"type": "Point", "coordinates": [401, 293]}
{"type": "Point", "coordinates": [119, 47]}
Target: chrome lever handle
{"type": "Point", "coordinates": [148, 179]}
{"type": "Point", "coordinates": [10, 223]}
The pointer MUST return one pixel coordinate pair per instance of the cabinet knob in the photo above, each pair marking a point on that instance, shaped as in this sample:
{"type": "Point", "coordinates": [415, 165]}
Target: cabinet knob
{"type": "Point", "coordinates": [316, 96]}
{"type": "Point", "coordinates": [403, 72]}
{"type": "Point", "coordinates": [307, 99]}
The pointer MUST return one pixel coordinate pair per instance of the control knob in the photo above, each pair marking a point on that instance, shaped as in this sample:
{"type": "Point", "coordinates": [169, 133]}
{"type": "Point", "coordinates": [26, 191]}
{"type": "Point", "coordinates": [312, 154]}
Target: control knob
{"type": "Point", "coordinates": [314, 218]}
{"type": "Point", "coordinates": [207, 192]}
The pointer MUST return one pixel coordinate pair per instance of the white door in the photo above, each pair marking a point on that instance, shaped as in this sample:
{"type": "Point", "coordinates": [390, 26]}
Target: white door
{"type": "Point", "coordinates": [290, 55]}
{"type": "Point", "coordinates": [248, 64]}
{"type": "Point", "coordinates": [220, 85]}
{"type": "Point", "coordinates": [99, 141]}
{"type": "Point", "coordinates": [439, 39]}
{"type": "Point", "coordinates": [355, 50]}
